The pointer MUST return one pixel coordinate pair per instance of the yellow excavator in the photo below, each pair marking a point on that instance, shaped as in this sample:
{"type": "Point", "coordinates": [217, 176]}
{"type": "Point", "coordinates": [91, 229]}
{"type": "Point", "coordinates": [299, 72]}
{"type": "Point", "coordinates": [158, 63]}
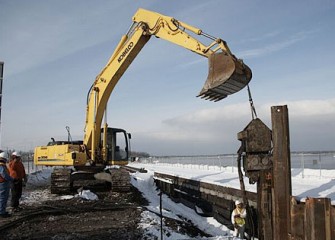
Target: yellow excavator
{"type": "Point", "coordinates": [103, 146]}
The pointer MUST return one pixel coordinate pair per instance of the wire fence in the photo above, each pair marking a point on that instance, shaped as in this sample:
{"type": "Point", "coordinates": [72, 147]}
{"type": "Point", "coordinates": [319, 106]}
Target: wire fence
{"type": "Point", "coordinates": [300, 162]}
{"type": "Point", "coordinates": [29, 165]}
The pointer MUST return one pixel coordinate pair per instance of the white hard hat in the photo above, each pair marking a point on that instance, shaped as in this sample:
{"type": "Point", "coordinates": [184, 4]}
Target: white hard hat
{"type": "Point", "coordinates": [237, 202]}
{"type": "Point", "coordinates": [4, 155]}
{"type": "Point", "coordinates": [16, 154]}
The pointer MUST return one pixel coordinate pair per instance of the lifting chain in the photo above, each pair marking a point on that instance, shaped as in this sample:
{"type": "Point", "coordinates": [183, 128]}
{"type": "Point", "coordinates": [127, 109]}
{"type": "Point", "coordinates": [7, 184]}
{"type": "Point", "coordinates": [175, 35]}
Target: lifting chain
{"type": "Point", "coordinates": [252, 106]}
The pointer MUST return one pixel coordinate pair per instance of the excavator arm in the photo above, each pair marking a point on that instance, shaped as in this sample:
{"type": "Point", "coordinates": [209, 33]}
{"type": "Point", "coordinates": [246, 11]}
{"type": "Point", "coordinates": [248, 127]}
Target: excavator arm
{"type": "Point", "coordinates": [227, 74]}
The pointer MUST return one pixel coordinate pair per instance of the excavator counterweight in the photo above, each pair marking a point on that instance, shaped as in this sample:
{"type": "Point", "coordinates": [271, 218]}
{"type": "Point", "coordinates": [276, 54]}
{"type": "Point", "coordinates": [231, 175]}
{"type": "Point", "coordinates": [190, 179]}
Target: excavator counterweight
{"type": "Point", "coordinates": [227, 75]}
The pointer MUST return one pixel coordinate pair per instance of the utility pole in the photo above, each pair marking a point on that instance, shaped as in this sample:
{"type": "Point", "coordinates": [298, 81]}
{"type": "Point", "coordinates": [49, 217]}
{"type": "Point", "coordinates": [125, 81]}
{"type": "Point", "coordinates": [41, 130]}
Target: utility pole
{"type": "Point", "coordinates": [1, 81]}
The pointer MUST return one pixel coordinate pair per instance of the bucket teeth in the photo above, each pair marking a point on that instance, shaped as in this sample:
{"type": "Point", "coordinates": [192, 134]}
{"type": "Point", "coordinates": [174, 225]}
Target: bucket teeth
{"type": "Point", "coordinates": [212, 96]}
{"type": "Point", "coordinates": [227, 75]}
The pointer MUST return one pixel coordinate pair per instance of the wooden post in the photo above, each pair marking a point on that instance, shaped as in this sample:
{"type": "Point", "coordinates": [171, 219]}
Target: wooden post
{"type": "Point", "coordinates": [282, 188]}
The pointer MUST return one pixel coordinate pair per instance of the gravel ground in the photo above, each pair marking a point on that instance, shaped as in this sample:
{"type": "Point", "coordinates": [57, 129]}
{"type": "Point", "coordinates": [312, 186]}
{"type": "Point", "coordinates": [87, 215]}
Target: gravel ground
{"type": "Point", "coordinates": [113, 216]}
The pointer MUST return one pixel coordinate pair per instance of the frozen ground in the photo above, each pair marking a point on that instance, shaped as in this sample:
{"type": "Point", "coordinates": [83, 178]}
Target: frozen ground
{"type": "Point", "coordinates": [310, 183]}
{"type": "Point", "coordinates": [37, 192]}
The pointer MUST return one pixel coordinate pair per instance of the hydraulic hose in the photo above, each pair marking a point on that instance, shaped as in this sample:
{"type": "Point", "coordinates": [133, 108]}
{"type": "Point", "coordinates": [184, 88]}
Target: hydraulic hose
{"type": "Point", "coordinates": [242, 186]}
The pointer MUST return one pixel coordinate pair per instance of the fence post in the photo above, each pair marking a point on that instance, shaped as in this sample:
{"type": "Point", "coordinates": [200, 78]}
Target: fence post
{"type": "Point", "coordinates": [232, 163]}
{"type": "Point", "coordinates": [302, 165]}
{"type": "Point", "coordinates": [320, 162]}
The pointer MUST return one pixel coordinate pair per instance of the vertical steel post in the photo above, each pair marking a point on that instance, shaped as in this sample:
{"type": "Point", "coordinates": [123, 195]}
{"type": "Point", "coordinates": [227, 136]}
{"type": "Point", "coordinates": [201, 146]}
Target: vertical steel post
{"type": "Point", "coordinates": [282, 188]}
{"type": "Point", "coordinates": [1, 81]}
{"type": "Point", "coordinates": [161, 212]}
{"type": "Point", "coordinates": [297, 220]}
{"type": "Point", "coordinates": [264, 205]}
{"type": "Point", "coordinates": [318, 219]}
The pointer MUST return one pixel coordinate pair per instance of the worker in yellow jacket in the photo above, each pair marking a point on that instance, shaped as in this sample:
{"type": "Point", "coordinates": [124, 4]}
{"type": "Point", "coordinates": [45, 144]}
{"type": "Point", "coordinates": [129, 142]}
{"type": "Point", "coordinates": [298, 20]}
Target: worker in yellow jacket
{"type": "Point", "coordinates": [238, 219]}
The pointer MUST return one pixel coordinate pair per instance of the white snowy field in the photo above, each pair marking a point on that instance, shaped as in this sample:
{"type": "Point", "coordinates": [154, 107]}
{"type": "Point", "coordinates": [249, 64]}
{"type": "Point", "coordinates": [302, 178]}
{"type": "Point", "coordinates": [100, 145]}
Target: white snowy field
{"type": "Point", "coordinates": [305, 183]}
{"type": "Point", "coordinates": [309, 183]}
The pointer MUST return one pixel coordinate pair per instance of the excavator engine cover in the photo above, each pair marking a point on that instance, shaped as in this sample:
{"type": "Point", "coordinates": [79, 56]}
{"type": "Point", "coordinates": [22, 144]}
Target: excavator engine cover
{"type": "Point", "coordinates": [227, 75]}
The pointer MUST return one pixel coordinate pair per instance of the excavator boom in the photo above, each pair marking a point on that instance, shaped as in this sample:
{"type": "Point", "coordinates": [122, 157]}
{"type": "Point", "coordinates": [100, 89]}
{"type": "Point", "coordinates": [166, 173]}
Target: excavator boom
{"type": "Point", "coordinates": [227, 74]}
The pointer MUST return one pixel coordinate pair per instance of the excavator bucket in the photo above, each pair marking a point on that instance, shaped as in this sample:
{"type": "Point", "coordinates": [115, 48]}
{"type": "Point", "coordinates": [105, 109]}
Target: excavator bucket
{"type": "Point", "coordinates": [227, 75]}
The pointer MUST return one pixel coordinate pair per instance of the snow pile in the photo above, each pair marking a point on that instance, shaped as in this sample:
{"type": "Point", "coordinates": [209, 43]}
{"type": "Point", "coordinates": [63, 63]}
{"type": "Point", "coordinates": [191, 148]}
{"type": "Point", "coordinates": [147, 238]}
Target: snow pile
{"type": "Point", "coordinates": [151, 222]}
{"type": "Point", "coordinates": [87, 195]}
{"type": "Point", "coordinates": [37, 189]}
{"type": "Point", "coordinates": [39, 178]}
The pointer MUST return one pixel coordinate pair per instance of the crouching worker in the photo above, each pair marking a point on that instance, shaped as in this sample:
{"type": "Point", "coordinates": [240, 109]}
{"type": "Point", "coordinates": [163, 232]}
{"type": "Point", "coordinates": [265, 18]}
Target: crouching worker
{"type": "Point", "coordinates": [5, 180]}
{"type": "Point", "coordinates": [18, 173]}
{"type": "Point", "coordinates": [238, 219]}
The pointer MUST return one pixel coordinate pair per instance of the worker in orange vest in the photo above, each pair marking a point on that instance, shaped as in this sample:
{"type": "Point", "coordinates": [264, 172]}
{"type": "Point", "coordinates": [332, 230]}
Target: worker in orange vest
{"type": "Point", "coordinates": [5, 180]}
{"type": "Point", "coordinates": [238, 219]}
{"type": "Point", "coordinates": [18, 173]}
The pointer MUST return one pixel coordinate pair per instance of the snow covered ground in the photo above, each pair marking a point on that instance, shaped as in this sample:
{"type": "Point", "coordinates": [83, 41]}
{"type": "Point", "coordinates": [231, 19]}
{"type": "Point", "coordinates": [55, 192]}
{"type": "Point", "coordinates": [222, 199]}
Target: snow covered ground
{"type": "Point", "coordinates": [144, 182]}
{"type": "Point", "coordinates": [304, 184]}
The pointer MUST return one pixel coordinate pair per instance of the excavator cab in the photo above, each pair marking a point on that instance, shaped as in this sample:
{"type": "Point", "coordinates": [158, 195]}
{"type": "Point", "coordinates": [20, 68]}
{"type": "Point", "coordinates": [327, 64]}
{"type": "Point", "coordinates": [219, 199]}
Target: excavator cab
{"type": "Point", "coordinates": [227, 75]}
{"type": "Point", "coordinates": [118, 146]}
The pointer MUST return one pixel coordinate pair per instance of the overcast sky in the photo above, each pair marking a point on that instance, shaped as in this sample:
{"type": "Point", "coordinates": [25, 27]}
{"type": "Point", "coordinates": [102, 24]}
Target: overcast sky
{"type": "Point", "coordinates": [53, 51]}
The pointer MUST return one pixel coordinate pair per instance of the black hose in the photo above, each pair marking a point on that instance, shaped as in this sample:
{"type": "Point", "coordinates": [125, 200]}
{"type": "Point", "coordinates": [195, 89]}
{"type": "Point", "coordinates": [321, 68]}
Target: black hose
{"type": "Point", "coordinates": [245, 199]}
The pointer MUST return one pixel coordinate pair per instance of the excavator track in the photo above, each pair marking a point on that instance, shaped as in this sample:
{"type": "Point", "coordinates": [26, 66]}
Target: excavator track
{"type": "Point", "coordinates": [61, 181]}
{"type": "Point", "coordinates": [120, 180]}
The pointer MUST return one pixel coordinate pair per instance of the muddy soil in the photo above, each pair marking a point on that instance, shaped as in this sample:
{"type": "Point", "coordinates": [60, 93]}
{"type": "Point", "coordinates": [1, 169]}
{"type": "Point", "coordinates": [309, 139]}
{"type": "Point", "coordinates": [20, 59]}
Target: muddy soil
{"type": "Point", "coordinates": [113, 216]}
